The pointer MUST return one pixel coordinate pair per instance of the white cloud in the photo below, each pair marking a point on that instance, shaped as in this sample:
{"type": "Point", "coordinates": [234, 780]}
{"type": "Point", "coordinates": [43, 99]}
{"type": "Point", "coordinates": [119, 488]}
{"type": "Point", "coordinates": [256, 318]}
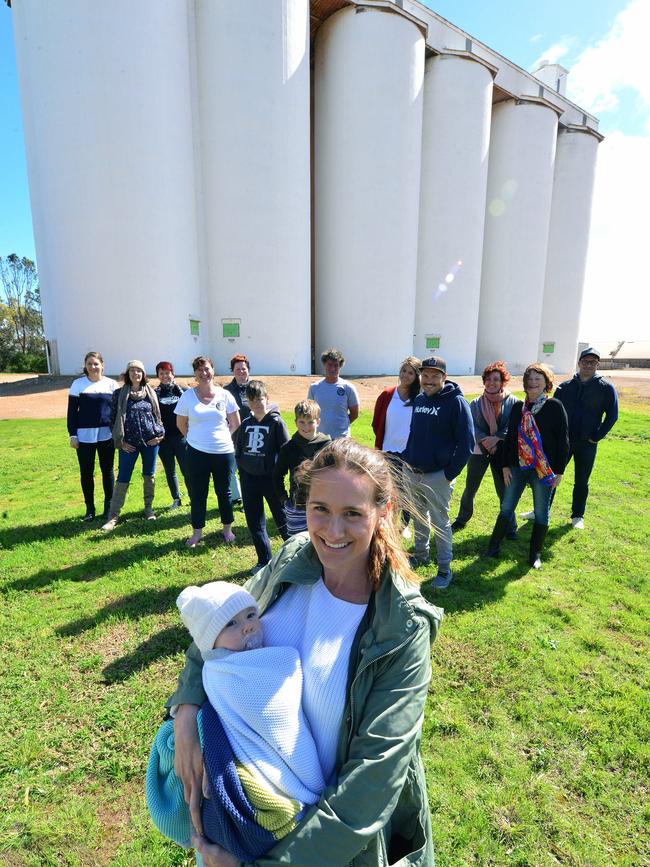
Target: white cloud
{"type": "Point", "coordinates": [555, 52]}
{"type": "Point", "coordinates": [616, 302]}
{"type": "Point", "coordinates": [536, 37]}
{"type": "Point", "coordinates": [617, 61]}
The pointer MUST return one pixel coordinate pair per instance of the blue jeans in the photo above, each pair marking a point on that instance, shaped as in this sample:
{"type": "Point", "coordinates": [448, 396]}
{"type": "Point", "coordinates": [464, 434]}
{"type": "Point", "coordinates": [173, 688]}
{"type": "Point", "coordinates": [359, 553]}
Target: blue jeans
{"type": "Point", "coordinates": [541, 495]}
{"type": "Point", "coordinates": [584, 457]}
{"type": "Point", "coordinates": [126, 462]}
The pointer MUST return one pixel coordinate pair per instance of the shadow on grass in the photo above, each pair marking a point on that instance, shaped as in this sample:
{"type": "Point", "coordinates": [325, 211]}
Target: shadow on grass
{"type": "Point", "coordinates": [475, 583]}
{"type": "Point", "coordinates": [167, 642]}
{"type": "Point", "coordinates": [68, 528]}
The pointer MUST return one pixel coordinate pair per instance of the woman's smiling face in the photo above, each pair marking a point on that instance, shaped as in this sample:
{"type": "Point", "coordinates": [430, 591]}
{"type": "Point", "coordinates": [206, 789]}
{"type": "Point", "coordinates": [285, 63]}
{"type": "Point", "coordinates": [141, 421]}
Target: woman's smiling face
{"type": "Point", "coordinates": [342, 518]}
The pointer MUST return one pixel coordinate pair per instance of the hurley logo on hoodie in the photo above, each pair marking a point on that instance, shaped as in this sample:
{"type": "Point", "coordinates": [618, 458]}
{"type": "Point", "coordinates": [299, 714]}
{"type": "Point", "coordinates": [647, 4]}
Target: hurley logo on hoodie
{"type": "Point", "coordinates": [429, 410]}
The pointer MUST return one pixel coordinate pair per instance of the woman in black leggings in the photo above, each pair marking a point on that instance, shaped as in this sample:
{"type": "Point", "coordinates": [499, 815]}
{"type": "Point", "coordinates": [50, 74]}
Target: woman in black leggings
{"type": "Point", "coordinates": [89, 411]}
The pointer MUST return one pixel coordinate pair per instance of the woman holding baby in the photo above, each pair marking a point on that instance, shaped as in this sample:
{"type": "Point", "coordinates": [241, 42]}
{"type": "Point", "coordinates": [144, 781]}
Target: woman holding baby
{"type": "Point", "coordinates": [345, 598]}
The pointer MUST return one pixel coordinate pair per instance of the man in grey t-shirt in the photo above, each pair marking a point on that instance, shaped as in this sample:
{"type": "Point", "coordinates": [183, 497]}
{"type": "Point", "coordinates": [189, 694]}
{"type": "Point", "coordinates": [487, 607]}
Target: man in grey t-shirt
{"type": "Point", "coordinates": [338, 399]}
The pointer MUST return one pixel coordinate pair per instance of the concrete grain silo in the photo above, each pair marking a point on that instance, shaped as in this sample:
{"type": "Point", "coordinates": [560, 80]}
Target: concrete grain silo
{"type": "Point", "coordinates": [455, 141]}
{"type": "Point", "coordinates": [253, 109]}
{"type": "Point", "coordinates": [111, 177]}
{"type": "Point", "coordinates": [196, 188]}
{"type": "Point", "coordinates": [573, 184]}
{"type": "Point", "coordinates": [520, 184]}
{"type": "Point", "coordinates": [368, 76]}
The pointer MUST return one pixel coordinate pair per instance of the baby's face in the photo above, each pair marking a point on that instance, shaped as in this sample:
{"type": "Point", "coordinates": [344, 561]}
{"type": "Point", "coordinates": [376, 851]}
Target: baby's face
{"type": "Point", "coordinates": [243, 632]}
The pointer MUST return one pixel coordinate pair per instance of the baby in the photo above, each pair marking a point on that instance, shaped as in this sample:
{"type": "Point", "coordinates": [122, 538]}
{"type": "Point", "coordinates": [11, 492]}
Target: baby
{"type": "Point", "coordinates": [260, 758]}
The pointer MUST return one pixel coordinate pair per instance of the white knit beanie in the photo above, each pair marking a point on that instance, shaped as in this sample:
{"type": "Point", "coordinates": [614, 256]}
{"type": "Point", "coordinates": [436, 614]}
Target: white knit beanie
{"type": "Point", "coordinates": [206, 610]}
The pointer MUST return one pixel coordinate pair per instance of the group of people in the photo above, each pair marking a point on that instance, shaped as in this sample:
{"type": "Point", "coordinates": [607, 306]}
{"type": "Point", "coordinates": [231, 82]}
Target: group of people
{"type": "Point", "coordinates": [304, 748]}
{"type": "Point", "coordinates": [424, 426]}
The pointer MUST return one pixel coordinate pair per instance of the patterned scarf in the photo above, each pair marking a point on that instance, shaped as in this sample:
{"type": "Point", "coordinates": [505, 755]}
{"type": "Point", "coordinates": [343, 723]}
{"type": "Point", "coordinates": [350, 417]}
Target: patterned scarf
{"type": "Point", "coordinates": [529, 442]}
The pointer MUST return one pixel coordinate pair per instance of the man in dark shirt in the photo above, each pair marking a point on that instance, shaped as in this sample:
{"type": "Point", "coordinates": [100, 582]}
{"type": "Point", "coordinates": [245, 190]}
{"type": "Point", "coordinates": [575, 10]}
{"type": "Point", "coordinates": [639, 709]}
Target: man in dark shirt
{"type": "Point", "coordinates": [591, 405]}
{"type": "Point", "coordinates": [439, 445]}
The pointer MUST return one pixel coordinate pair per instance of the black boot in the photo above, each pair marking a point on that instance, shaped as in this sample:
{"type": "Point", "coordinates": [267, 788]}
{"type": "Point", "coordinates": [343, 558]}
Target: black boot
{"type": "Point", "coordinates": [500, 529]}
{"type": "Point", "coordinates": [90, 513]}
{"type": "Point", "coordinates": [107, 508]}
{"type": "Point", "coordinates": [536, 543]}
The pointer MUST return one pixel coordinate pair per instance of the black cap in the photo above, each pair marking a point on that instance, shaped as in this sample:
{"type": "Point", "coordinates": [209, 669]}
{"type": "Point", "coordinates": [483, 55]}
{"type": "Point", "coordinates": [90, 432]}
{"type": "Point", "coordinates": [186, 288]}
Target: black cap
{"type": "Point", "coordinates": [435, 362]}
{"type": "Point", "coordinates": [589, 351]}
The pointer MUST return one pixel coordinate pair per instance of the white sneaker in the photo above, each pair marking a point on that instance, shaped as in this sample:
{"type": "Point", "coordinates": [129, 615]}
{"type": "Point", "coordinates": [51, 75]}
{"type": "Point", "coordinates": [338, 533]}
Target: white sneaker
{"type": "Point", "coordinates": [578, 523]}
{"type": "Point", "coordinates": [527, 516]}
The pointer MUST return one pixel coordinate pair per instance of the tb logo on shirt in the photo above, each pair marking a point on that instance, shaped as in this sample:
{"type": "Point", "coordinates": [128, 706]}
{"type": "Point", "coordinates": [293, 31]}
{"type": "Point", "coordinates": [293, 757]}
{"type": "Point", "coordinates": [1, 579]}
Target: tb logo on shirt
{"type": "Point", "coordinates": [255, 435]}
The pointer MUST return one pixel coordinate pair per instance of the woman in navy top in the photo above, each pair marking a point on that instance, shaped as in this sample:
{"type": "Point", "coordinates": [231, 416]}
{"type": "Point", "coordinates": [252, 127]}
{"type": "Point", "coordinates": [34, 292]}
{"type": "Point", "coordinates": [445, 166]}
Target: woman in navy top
{"type": "Point", "coordinates": [89, 412]}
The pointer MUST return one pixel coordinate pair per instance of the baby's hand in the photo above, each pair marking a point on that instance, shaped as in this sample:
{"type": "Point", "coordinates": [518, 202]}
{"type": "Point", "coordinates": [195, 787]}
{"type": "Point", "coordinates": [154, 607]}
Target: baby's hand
{"type": "Point", "coordinates": [205, 786]}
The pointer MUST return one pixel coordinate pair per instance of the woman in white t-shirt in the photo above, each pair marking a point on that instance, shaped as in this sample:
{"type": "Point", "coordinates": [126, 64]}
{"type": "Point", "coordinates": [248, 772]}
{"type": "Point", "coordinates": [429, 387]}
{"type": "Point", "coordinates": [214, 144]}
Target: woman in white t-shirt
{"type": "Point", "coordinates": [391, 420]}
{"type": "Point", "coordinates": [207, 416]}
{"type": "Point", "coordinates": [89, 412]}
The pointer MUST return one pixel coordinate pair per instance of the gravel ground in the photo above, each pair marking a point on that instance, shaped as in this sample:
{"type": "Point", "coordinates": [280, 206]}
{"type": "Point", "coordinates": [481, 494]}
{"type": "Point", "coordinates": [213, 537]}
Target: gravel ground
{"type": "Point", "coordinates": [30, 396]}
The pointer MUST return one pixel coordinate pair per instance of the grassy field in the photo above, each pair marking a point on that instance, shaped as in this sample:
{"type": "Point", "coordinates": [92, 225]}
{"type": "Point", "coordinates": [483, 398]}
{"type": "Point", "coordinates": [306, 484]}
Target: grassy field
{"type": "Point", "coordinates": [536, 737]}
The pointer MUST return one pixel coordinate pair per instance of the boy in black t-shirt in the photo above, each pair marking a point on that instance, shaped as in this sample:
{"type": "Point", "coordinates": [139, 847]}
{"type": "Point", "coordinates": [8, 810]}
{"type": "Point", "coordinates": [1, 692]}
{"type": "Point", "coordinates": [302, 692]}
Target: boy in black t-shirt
{"type": "Point", "coordinates": [259, 440]}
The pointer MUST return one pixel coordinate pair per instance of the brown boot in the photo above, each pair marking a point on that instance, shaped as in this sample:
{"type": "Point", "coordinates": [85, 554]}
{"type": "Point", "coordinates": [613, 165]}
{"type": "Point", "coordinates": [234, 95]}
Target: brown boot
{"type": "Point", "coordinates": [117, 503]}
{"type": "Point", "coordinates": [148, 488]}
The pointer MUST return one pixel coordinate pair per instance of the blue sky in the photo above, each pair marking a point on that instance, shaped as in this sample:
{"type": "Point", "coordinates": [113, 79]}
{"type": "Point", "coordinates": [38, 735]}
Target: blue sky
{"type": "Point", "coordinates": [600, 42]}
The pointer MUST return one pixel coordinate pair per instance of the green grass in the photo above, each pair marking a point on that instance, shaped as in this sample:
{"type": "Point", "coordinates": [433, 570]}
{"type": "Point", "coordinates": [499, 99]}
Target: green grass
{"type": "Point", "coordinates": [536, 736]}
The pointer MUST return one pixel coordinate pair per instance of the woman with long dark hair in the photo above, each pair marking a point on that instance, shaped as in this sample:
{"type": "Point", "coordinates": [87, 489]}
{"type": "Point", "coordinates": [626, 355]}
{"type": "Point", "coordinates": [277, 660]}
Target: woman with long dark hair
{"type": "Point", "coordinates": [391, 420]}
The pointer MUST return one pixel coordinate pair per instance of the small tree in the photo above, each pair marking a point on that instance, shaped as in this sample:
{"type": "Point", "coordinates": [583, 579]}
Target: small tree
{"type": "Point", "coordinates": [21, 323]}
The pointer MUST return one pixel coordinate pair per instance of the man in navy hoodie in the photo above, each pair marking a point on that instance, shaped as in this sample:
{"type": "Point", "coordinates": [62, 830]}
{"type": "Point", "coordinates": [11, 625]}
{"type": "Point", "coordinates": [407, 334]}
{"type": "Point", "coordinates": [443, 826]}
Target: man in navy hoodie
{"type": "Point", "coordinates": [591, 404]}
{"type": "Point", "coordinates": [439, 445]}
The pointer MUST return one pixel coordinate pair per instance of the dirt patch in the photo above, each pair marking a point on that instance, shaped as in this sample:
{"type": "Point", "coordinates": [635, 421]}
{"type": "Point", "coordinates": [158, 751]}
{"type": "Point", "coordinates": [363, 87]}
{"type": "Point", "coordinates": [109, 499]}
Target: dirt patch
{"type": "Point", "coordinates": [30, 396]}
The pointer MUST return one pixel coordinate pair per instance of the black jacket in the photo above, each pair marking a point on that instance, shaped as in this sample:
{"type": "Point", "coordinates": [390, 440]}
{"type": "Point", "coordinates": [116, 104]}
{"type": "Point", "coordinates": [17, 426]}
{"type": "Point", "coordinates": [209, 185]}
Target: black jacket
{"type": "Point", "coordinates": [259, 443]}
{"type": "Point", "coordinates": [292, 454]}
{"type": "Point", "coordinates": [553, 428]}
{"type": "Point", "coordinates": [586, 403]}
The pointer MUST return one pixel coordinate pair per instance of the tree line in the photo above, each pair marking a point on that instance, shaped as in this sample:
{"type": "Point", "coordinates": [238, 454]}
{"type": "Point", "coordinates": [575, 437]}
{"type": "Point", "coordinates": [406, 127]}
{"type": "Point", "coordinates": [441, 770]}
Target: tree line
{"type": "Point", "coordinates": [22, 346]}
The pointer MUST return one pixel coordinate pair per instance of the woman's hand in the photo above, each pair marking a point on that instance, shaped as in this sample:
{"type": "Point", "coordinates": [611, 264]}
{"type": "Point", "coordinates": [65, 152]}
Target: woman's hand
{"type": "Point", "coordinates": [555, 481]}
{"type": "Point", "coordinates": [214, 855]}
{"type": "Point", "coordinates": [155, 441]}
{"type": "Point", "coordinates": [128, 448]}
{"type": "Point", "coordinates": [188, 759]}
{"type": "Point", "coordinates": [507, 475]}
{"type": "Point", "coordinates": [74, 443]}
{"type": "Point", "coordinates": [490, 443]}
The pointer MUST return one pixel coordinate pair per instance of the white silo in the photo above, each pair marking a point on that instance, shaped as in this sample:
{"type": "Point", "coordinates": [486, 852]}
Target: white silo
{"type": "Point", "coordinates": [520, 182]}
{"type": "Point", "coordinates": [253, 104]}
{"type": "Point", "coordinates": [455, 141]}
{"type": "Point", "coordinates": [111, 176]}
{"type": "Point", "coordinates": [573, 183]}
{"type": "Point", "coordinates": [368, 76]}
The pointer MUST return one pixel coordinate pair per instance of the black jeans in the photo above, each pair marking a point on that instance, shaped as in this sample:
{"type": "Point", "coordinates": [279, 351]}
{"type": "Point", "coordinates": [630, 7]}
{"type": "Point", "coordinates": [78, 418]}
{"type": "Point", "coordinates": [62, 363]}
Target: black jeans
{"type": "Point", "coordinates": [200, 467]}
{"type": "Point", "coordinates": [584, 456]}
{"type": "Point", "coordinates": [254, 490]}
{"type": "Point", "coordinates": [86, 452]}
{"type": "Point", "coordinates": [173, 449]}
{"type": "Point", "coordinates": [476, 469]}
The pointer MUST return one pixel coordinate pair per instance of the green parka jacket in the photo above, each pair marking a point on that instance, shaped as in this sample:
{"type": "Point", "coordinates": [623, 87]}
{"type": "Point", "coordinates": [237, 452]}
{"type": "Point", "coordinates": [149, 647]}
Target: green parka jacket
{"type": "Point", "coordinates": [377, 813]}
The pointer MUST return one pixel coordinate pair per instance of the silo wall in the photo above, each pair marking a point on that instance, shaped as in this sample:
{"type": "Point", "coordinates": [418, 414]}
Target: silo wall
{"type": "Point", "coordinates": [368, 79]}
{"type": "Point", "coordinates": [105, 91]}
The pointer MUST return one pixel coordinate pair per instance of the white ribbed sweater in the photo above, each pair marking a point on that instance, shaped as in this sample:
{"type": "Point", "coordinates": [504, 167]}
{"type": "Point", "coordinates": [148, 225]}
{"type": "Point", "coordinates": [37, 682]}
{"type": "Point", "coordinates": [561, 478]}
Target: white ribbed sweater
{"type": "Point", "coordinates": [321, 628]}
